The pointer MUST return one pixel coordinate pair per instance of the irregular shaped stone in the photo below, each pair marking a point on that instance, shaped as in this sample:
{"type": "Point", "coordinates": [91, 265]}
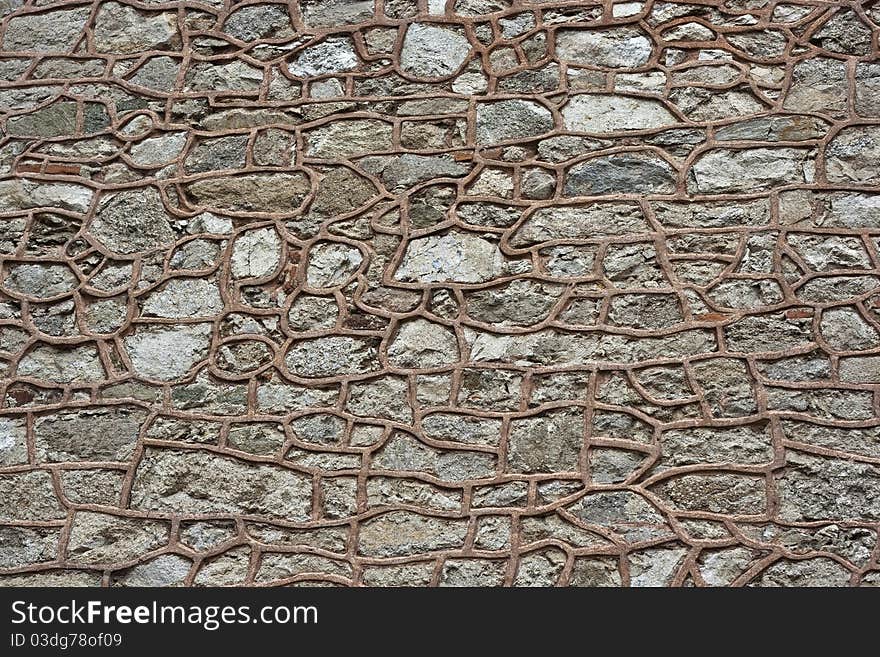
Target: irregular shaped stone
{"type": "Point", "coordinates": [852, 156]}
{"type": "Point", "coordinates": [580, 222]}
{"type": "Point", "coordinates": [281, 193]}
{"type": "Point", "coordinates": [604, 113]}
{"type": "Point", "coordinates": [99, 538]}
{"type": "Point", "coordinates": [121, 30]}
{"type": "Point", "coordinates": [456, 257]}
{"type": "Point", "coordinates": [27, 496]}
{"type": "Point", "coordinates": [332, 263]}
{"type": "Point", "coordinates": [336, 355]}
{"type": "Point", "coordinates": [815, 572]}
{"type": "Point", "coordinates": [250, 23]}
{"type": "Point", "coordinates": [723, 171]}
{"type": "Point", "coordinates": [40, 281]}
{"type": "Point", "coordinates": [432, 51]}
{"type": "Point", "coordinates": [516, 119]}
{"type": "Point", "coordinates": [255, 253]}
{"type": "Point", "coordinates": [132, 221]}
{"type": "Point", "coordinates": [184, 298]}
{"type": "Point", "coordinates": [331, 13]}
{"type": "Point", "coordinates": [95, 434]}
{"type": "Point", "coordinates": [13, 441]}
{"type": "Point", "coordinates": [167, 352]}
{"type": "Point", "coordinates": [402, 533]}
{"type": "Point", "coordinates": [421, 344]}
{"type": "Point", "coordinates": [345, 139]}
{"type": "Point", "coordinates": [546, 443]}
{"type": "Point", "coordinates": [747, 445]}
{"type": "Point", "coordinates": [192, 481]}
{"type": "Point", "coordinates": [399, 172]}
{"type": "Point", "coordinates": [623, 512]}
{"type": "Point", "coordinates": [52, 31]}
{"type": "Point", "coordinates": [732, 494]}
{"type": "Point", "coordinates": [619, 47]}
{"type": "Point", "coordinates": [622, 173]}
{"type": "Point", "coordinates": [62, 364]}
{"type": "Point", "coordinates": [165, 570]}
{"type": "Point", "coordinates": [332, 56]}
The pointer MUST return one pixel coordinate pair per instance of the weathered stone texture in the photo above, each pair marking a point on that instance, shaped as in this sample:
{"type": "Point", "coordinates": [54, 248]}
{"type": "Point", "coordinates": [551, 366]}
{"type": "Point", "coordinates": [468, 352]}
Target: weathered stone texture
{"type": "Point", "coordinates": [439, 292]}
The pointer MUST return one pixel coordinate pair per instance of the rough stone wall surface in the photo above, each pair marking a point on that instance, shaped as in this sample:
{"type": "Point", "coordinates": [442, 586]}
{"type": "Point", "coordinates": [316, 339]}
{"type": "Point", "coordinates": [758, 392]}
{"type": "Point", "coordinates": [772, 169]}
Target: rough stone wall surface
{"type": "Point", "coordinates": [465, 292]}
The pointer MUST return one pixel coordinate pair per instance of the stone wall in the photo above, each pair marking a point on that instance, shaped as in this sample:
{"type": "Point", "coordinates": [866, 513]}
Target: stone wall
{"type": "Point", "coordinates": [520, 292]}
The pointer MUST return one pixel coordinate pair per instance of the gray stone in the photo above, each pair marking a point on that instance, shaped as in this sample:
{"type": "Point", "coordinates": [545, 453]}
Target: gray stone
{"type": "Point", "coordinates": [604, 113]}
{"type": "Point", "coordinates": [748, 170]}
{"type": "Point", "coordinates": [184, 298]}
{"type": "Point", "coordinates": [432, 51]}
{"type": "Point", "coordinates": [122, 30]}
{"type": "Point", "coordinates": [189, 481]}
{"type": "Point", "coordinates": [333, 356]}
{"type": "Point", "coordinates": [332, 263]}
{"type": "Point", "coordinates": [619, 47]}
{"type": "Point", "coordinates": [622, 173]}
{"type": "Point", "coordinates": [99, 538]}
{"type": "Point", "coordinates": [62, 365]}
{"type": "Point", "coordinates": [403, 533]}
{"type": "Point", "coordinates": [165, 570]}
{"type": "Point", "coordinates": [455, 257]}
{"type": "Point", "coordinates": [853, 156]}
{"type": "Point", "coordinates": [27, 496]}
{"type": "Point", "coordinates": [164, 352]}
{"type": "Point", "coordinates": [420, 343]}
{"type": "Point", "coordinates": [329, 57]}
{"type": "Point", "coordinates": [53, 31]}
{"type": "Point", "coordinates": [515, 119]}
{"type": "Point", "coordinates": [546, 443]}
{"type": "Point", "coordinates": [132, 221]}
{"type": "Point", "coordinates": [256, 253]}
{"type": "Point", "coordinates": [98, 434]}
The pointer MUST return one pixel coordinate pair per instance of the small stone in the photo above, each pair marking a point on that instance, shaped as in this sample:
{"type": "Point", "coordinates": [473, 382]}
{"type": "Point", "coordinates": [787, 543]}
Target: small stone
{"type": "Point", "coordinates": [120, 29]}
{"type": "Point", "coordinates": [604, 113]}
{"type": "Point", "coordinates": [333, 356]}
{"type": "Point", "coordinates": [620, 47]}
{"type": "Point", "coordinates": [13, 441]}
{"type": "Point", "coordinates": [455, 257]}
{"type": "Point", "coordinates": [184, 298]}
{"type": "Point", "coordinates": [516, 119]}
{"type": "Point", "coordinates": [403, 533]}
{"type": "Point", "coordinates": [100, 434]}
{"type": "Point", "coordinates": [62, 365]}
{"type": "Point", "coordinates": [329, 57]}
{"type": "Point", "coordinates": [53, 31]}
{"type": "Point", "coordinates": [132, 221]}
{"type": "Point", "coordinates": [332, 13]}
{"type": "Point", "coordinates": [546, 443]}
{"type": "Point", "coordinates": [256, 253]}
{"type": "Point", "coordinates": [254, 22]}
{"type": "Point", "coordinates": [853, 156]}
{"type": "Point", "coordinates": [422, 344]}
{"type": "Point", "coordinates": [166, 570]}
{"type": "Point", "coordinates": [622, 173]}
{"type": "Point", "coordinates": [99, 538]}
{"type": "Point", "coordinates": [246, 193]}
{"type": "Point", "coordinates": [27, 496]}
{"type": "Point", "coordinates": [430, 51]}
{"type": "Point", "coordinates": [164, 352]}
{"type": "Point", "coordinates": [191, 481]}
{"type": "Point", "coordinates": [715, 493]}
{"type": "Point", "coordinates": [41, 281]}
{"type": "Point", "coordinates": [331, 264]}
{"type": "Point", "coordinates": [747, 170]}
{"type": "Point", "coordinates": [345, 139]}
